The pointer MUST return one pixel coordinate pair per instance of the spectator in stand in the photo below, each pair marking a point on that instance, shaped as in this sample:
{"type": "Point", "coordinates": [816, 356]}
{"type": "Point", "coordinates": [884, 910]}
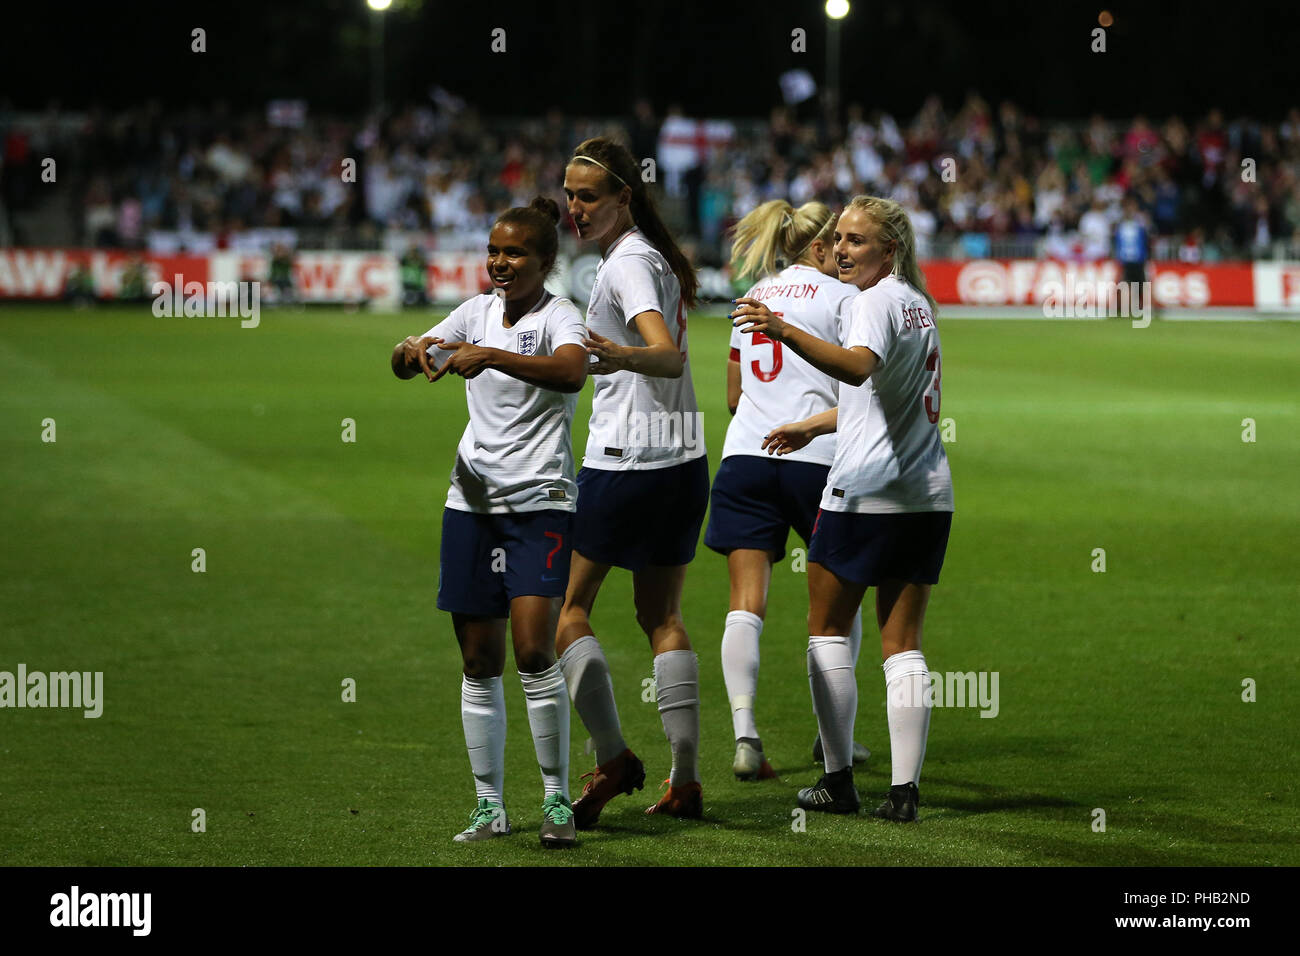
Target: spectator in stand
{"type": "Point", "coordinates": [643, 132]}
{"type": "Point", "coordinates": [1191, 250]}
{"type": "Point", "coordinates": [677, 151]}
{"type": "Point", "coordinates": [1258, 229]}
{"type": "Point", "coordinates": [1141, 142]}
{"type": "Point", "coordinates": [1165, 208]}
{"type": "Point", "coordinates": [1291, 213]}
{"type": "Point", "coordinates": [1094, 230]}
{"type": "Point", "coordinates": [1211, 147]}
{"type": "Point", "coordinates": [200, 172]}
{"type": "Point", "coordinates": [1049, 197]}
{"type": "Point", "coordinates": [100, 221]}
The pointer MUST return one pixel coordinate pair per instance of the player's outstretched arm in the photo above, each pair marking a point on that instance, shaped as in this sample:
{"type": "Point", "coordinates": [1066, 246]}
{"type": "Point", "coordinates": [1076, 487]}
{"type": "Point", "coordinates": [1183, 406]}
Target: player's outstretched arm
{"type": "Point", "coordinates": [787, 438]}
{"type": "Point", "coordinates": [411, 357]}
{"type": "Point", "coordinates": [851, 366]}
{"type": "Point", "coordinates": [565, 371]}
{"type": "Point", "coordinates": [658, 358]}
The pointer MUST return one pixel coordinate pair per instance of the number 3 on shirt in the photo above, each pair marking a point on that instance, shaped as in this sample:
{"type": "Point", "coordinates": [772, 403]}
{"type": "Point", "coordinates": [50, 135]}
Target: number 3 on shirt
{"type": "Point", "coordinates": [931, 394]}
{"type": "Point", "coordinates": [759, 339]}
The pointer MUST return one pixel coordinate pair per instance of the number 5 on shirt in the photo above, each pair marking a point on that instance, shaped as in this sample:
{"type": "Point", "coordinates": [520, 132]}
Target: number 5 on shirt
{"type": "Point", "coordinates": [775, 370]}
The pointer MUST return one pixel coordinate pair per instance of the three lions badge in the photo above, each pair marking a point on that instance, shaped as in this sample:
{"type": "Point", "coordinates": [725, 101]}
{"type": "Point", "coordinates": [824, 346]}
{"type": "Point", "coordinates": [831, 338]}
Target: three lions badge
{"type": "Point", "coordinates": [527, 342]}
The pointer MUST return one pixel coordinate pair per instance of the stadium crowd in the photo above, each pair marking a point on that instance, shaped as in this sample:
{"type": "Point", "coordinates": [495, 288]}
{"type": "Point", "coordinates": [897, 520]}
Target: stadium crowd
{"type": "Point", "coordinates": [1212, 187]}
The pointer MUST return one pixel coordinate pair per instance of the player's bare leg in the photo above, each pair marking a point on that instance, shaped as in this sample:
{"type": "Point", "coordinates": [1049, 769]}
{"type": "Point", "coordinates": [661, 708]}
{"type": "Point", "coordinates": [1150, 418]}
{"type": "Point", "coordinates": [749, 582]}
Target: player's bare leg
{"type": "Point", "coordinates": [482, 643]}
{"type": "Point", "coordinates": [483, 715]}
{"type": "Point", "coordinates": [750, 572]}
{"type": "Point", "coordinates": [900, 612]}
{"type": "Point", "coordinates": [533, 620]}
{"type": "Point", "coordinates": [657, 593]}
{"type": "Point", "coordinates": [586, 673]}
{"type": "Point", "coordinates": [585, 579]}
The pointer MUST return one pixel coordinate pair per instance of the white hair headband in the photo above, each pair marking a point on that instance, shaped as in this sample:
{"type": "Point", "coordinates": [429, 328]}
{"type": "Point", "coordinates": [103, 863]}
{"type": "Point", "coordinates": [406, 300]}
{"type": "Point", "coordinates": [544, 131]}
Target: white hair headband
{"type": "Point", "coordinates": [815, 237]}
{"type": "Point", "coordinates": [604, 167]}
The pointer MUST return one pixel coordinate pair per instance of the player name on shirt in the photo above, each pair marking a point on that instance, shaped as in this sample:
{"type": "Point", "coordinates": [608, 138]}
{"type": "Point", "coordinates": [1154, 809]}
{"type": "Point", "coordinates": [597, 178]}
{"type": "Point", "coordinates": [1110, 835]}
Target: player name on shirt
{"type": "Point", "coordinates": [917, 318]}
{"type": "Point", "coordinates": [796, 291]}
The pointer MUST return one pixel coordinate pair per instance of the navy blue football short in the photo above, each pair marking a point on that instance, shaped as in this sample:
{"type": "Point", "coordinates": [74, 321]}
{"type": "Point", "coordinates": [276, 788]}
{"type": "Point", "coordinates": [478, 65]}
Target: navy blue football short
{"type": "Point", "coordinates": [642, 518]}
{"type": "Point", "coordinates": [756, 500]}
{"type": "Point", "coordinates": [490, 559]}
{"type": "Point", "coordinates": [871, 548]}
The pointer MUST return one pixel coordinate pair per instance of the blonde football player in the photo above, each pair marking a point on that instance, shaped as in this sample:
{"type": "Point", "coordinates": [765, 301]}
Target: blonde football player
{"type": "Point", "coordinates": [756, 499]}
{"type": "Point", "coordinates": [887, 507]}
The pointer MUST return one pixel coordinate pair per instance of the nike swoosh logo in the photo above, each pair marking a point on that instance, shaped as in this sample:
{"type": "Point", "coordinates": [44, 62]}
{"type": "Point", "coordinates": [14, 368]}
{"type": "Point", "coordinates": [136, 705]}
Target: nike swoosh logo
{"type": "Point", "coordinates": [477, 341]}
{"type": "Point", "coordinates": [550, 577]}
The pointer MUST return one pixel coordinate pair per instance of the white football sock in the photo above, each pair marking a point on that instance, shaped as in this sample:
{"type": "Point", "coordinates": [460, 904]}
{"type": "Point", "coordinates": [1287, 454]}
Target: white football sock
{"type": "Point", "coordinates": [835, 697]}
{"type": "Point", "coordinates": [906, 680]}
{"type": "Point", "coordinates": [855, 644]}
{"type": "Point", "coordinates": [548, 716]}
{"type": "Point", "coordinates": [855, 638]}
{"type": "Point", "coordinates": [740, 669]}
{"type": "Point", "coordinates": [677, 681]}
{"type": "Point", "coordinates": [586, 673]}
{"type": "Point", "coordinates": [483, 715]}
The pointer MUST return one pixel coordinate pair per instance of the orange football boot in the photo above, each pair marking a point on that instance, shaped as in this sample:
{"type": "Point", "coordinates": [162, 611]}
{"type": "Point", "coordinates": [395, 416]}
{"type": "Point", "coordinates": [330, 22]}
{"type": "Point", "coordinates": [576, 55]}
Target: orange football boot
{"type": "Point", "coordinates": [623, 774]}
{"type": "Point", "coordinates": [685, 802]}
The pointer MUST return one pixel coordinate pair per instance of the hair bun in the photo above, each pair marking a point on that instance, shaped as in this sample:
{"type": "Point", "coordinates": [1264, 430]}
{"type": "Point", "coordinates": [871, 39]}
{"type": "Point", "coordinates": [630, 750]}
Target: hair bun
{"type": "Point", "coordinates": [547, 207]}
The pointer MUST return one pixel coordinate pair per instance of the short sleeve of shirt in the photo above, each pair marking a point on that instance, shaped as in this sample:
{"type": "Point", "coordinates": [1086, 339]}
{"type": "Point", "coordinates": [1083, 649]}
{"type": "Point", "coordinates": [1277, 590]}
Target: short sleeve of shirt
{"type": "Point", "coordinates": [870, 325]}
{"type": "Point", "coordinates": [844, 317]}
{"type": "Point", "coordinates": [633, 288]}
{"type": "Point", "coordinates": [735, 338]}
{"type": "Point", "coordinates": [451, 329]}
{"type": "Point", "coordinates": [566, 326]}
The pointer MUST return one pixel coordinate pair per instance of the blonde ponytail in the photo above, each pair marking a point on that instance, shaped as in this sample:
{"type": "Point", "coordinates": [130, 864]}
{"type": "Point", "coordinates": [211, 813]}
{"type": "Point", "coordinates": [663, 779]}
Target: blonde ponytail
{"type": "Point", "coordinates": [775, 235]}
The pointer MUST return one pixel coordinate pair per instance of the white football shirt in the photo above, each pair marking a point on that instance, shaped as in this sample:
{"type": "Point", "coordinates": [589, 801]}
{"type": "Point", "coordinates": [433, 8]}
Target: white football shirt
{"type": "Point", "coordinates": [639, 422]}
{"type": "Point", "coordinates": [517, 450]}
{"type": "Point", "coordinates": [777, 386]}
{"type": "Point", "coordinates": [890, 457]}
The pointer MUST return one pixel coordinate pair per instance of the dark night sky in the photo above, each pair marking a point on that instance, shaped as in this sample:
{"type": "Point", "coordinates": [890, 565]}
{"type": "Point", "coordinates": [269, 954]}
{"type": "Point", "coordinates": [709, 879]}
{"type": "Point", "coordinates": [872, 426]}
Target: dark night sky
{"type": "Point", "coordinates": [716, 58]}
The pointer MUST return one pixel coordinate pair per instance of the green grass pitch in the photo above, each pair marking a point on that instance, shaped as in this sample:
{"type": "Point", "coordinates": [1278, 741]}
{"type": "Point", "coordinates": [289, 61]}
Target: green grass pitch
{"type": "Point", "coordinates": [1120, 691]}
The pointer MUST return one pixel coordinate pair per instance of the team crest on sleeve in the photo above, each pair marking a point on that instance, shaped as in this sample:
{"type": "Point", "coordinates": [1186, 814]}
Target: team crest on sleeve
{"type": "Point", "coordinates": [526, 342]}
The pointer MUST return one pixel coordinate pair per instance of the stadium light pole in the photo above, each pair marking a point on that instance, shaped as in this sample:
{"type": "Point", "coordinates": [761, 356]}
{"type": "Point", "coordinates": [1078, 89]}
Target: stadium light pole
{"type": "Point", "coordinates": [377, 8]}
{"type": "Point", "coordinates": [836, 10]}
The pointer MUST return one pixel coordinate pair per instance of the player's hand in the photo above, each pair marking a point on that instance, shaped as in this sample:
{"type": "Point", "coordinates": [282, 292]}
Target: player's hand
{"type": "Point", "coordinates": [610, 356]}
{"type": "Point", "coordinates": [751, 316]}
{"type": "Point", "coordinates": [466, 360]}
{"type": "Point", "coordinates": [416, 355]}
{"type": "Point", "coordinates": [787, 438]}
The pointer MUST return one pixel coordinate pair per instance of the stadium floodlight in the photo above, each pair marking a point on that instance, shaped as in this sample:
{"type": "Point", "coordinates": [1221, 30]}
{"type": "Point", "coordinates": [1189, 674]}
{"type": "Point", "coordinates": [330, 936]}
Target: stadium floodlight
{"type": "Point", "coordinates": [836, 10]}
{"type": "Point", "coordinates": [377, 8]}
